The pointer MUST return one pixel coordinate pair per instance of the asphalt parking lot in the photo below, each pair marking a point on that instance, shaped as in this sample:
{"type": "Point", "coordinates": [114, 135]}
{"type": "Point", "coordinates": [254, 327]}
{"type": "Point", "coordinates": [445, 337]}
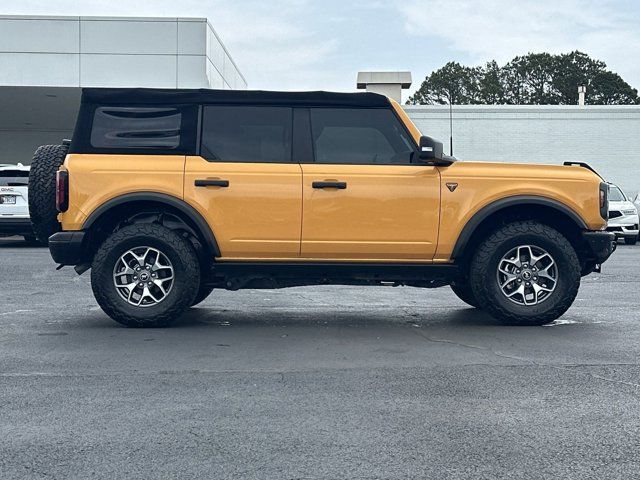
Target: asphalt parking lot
{"type": "Point", "coordinates": [310, 383]}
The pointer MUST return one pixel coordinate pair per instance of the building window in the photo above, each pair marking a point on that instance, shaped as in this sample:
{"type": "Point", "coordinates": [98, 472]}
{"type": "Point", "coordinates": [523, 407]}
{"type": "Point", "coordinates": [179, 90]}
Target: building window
{"type": "Point", "coordinates": [136, 127]}
{"type": "Point", "coordinates": [247, 134]}
{"type": "Point", "coordinates": [359, 136]}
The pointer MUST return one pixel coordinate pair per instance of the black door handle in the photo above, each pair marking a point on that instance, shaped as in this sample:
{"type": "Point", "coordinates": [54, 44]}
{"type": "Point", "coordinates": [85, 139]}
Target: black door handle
{"type": "Point", "coordinates": [212, 183]}
{"type": "Point", "coordinates": [338, 185]}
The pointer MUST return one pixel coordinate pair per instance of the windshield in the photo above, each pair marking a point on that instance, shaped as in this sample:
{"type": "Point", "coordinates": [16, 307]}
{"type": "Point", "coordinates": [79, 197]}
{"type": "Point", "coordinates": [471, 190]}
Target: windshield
{"type": "Point", "coordinates": [14, 178]}
{"type": "Point", "coordinates": [616, 195]}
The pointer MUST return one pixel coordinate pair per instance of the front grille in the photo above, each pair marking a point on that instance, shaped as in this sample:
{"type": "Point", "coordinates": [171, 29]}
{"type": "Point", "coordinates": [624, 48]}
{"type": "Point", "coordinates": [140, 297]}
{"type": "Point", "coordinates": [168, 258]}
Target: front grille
{"type": "Point", "coordinates": [614, 229]}
{"type": "Point", "coordinates": [615, 214]}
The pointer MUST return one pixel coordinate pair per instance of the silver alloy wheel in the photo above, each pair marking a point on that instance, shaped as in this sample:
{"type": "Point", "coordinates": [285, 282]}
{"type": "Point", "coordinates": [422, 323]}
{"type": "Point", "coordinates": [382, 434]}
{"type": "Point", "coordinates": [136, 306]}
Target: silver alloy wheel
{"type": "Point", "coordinates": [527, 275]}
{"type": "Point", "coordinates": [143, 276]}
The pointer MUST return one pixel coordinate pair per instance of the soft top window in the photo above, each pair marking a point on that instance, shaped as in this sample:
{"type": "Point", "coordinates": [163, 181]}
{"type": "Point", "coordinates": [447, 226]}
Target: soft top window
{"type": "Point", "coordinates": [359, 136]}
{"type": "Point", "coordinates": [247, 134]}
{"type": "Point", "coordinates": [136, 127]}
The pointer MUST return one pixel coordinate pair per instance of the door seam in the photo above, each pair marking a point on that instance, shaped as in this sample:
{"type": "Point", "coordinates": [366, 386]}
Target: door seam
{"type": "Point", "coordinates": [301, 208]}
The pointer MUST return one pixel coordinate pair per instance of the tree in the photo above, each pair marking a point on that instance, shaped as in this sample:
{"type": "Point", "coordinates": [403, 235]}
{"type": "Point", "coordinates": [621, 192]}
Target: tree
{"type": "Point", "coordinates": [535, 74]}
{"type": "Point", "coordinates": [572, 70]}
{"type": "Point", "coordinates": [532, 79]}
{"type": "Point", "coordinates": [609, 88]}
{"type": "Point", "coordinates": [451, 84]}
{"type": "Point", "coordinates": [491, 84]}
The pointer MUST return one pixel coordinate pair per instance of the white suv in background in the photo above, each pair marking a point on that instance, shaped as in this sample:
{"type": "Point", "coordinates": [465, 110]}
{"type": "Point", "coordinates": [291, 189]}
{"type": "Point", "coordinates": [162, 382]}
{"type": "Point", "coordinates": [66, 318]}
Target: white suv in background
{"type": "Point", "coordinates": [14, 202]}
{"type": "Point", "coordinates": [623, 216]}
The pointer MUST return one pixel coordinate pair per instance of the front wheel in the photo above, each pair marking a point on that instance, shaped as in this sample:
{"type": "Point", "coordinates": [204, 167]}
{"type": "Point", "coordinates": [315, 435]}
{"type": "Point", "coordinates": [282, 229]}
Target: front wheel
{"type": "Point", "coordinates": [631, 240]}
{"type": "Point", "coordinates": [525, 273]}
{"type": "Point", "coordinates": [145, 275]}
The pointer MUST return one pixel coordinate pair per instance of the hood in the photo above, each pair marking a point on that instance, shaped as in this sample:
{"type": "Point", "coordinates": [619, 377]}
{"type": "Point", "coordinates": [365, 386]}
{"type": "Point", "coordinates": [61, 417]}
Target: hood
{"type": "Point", "coordinates": [626, 205]}
{"type": "Point", "coordinates": [533, 171]}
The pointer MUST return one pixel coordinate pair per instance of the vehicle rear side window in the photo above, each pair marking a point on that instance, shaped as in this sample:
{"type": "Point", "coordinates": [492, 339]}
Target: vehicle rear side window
{"type": "Point", "coordinates": [359, 136]}
{"type": "Point", "coordinates": [247, 134]}
{"type": "Point", "coordinates": [136, 128]}
{"type": "Point", "coordinates": [14, 178]}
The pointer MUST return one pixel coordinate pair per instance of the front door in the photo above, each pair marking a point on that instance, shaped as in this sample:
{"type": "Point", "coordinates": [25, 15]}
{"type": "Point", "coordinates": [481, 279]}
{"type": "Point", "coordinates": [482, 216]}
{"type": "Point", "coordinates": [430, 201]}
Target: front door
{"type": "Point", "coordinates": [245, 182]}
{"type": "Point", "coordinates": [363, 197]}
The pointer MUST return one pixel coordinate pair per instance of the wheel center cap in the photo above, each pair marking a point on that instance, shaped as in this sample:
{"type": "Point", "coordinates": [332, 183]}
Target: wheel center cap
{"type": "Point", "coordinates": [144, 276]}
{"type": "Point", "coordinates": [526, 275]}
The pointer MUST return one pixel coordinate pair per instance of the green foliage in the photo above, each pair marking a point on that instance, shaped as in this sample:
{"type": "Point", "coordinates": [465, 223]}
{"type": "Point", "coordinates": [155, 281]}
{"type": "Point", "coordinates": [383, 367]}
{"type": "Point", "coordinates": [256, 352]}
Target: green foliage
{"type": "Point", "coordinates": [533, 79]}
{"type": "Point", "coordinates": [453, 84]}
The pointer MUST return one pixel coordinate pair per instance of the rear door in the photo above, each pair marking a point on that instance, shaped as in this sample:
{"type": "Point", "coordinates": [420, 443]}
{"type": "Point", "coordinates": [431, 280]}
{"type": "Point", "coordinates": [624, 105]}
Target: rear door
{"type": "Point", "coordinates": [365, 196]}
{"type": "Point", "coordinates": [246, 183]}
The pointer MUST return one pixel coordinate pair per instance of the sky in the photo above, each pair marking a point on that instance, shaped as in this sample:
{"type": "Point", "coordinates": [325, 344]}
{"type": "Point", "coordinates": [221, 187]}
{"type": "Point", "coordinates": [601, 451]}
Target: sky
{"type": "Point", "coordinates": [322, 44]}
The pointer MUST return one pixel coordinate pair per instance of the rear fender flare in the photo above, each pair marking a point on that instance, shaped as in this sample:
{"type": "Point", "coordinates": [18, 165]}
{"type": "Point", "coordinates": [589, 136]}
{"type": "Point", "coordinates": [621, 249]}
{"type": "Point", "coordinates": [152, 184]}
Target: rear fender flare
{"type": "Point", "coordinates": [161, 198]}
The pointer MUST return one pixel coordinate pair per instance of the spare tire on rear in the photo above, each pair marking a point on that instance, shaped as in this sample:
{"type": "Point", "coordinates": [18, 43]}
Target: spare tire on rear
{"type": "Point", "coordinates": [42, 190]}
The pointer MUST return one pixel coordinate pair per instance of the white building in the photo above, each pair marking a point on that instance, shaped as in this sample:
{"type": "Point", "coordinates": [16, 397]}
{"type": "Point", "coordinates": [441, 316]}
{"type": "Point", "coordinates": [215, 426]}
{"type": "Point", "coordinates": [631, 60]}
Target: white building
{"type": "Point", "coordinates": [606, 137]}
{"type": "Point", "coordinates": [45, 61]}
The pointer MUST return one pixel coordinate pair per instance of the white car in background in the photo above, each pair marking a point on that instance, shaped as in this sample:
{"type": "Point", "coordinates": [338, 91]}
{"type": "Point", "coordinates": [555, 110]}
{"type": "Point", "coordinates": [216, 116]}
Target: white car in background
{"type": "Point", "coordinates": [14, 202]}
{"type": "Point", "coordinates": [623, 216]}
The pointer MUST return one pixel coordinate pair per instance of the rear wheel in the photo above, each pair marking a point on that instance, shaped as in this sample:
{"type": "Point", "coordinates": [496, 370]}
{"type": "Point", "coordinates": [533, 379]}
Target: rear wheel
{"type": "Point", "coordinates": [145, 275]}
{"type": "Point", "coordinates": [42, 190]}
{"type": "Point", "coordinates": [631, 240]}
{"type": "Point", "coordinates": [464, 293]}
{"type": "Point", "coordinates": [526, 273]}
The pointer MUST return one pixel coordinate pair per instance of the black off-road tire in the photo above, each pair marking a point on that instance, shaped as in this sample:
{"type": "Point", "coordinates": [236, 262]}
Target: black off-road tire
{"type": "Point", "coordinates": [484, 282]}
{"type": "Point", "coordinates": [463, 292]}
{"type": "Point", "coordinates": [203, 293]}
{"type": "Point", "coordinates": [42, 190]}
{"type": "Point", "coordinates": [631, 240]}
{"type": "Point", "coordinates": [180, 253]}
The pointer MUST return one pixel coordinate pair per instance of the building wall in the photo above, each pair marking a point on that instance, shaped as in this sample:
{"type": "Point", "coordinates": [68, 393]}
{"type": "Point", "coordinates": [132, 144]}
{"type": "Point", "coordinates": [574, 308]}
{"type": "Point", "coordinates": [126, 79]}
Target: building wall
{"type": "Point", "coordinates": [606, 137]}
{"type": "Point", "coordinates": [44, 62]}
{"type": "Point", "coordinates": [114, 52]}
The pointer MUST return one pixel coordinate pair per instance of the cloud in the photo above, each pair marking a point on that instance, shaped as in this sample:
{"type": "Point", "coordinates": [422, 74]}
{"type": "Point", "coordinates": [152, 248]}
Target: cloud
{"type": "Point", "coordinates": [311, 44]}
{"type": "Point", "coordinates": [502, 29]}
{"type": "Point", "coordinates": [272, 45]}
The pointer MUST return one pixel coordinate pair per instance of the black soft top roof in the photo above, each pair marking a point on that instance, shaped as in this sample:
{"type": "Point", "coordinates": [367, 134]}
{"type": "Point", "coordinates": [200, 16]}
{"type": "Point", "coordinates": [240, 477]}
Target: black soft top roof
{"type": "Point", "coordinates": [155, 96]}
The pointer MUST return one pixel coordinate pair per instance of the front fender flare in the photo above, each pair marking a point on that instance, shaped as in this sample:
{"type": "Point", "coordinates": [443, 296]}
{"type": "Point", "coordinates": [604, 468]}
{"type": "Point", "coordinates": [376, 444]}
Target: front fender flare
{"type": "Point", "coordinates": [485, 212]}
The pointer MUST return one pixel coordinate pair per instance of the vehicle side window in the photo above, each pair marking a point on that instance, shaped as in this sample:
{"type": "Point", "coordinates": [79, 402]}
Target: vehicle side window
{"type": "Point", "coordinates": [247, 134]}
{"type": "Point", "coordinates": [136, 127]}
{"type": "Point", "coordinates": [359, 136]}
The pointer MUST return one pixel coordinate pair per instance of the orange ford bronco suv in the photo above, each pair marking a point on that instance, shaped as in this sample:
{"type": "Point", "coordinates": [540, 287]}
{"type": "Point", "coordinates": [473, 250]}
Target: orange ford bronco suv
{"type": "Point", "coordinates": [168, 194]}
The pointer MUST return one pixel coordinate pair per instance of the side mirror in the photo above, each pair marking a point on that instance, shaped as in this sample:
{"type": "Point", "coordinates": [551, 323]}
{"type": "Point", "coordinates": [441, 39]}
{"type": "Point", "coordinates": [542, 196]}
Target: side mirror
{"type": "Point", "coordinates": [431, 152]}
